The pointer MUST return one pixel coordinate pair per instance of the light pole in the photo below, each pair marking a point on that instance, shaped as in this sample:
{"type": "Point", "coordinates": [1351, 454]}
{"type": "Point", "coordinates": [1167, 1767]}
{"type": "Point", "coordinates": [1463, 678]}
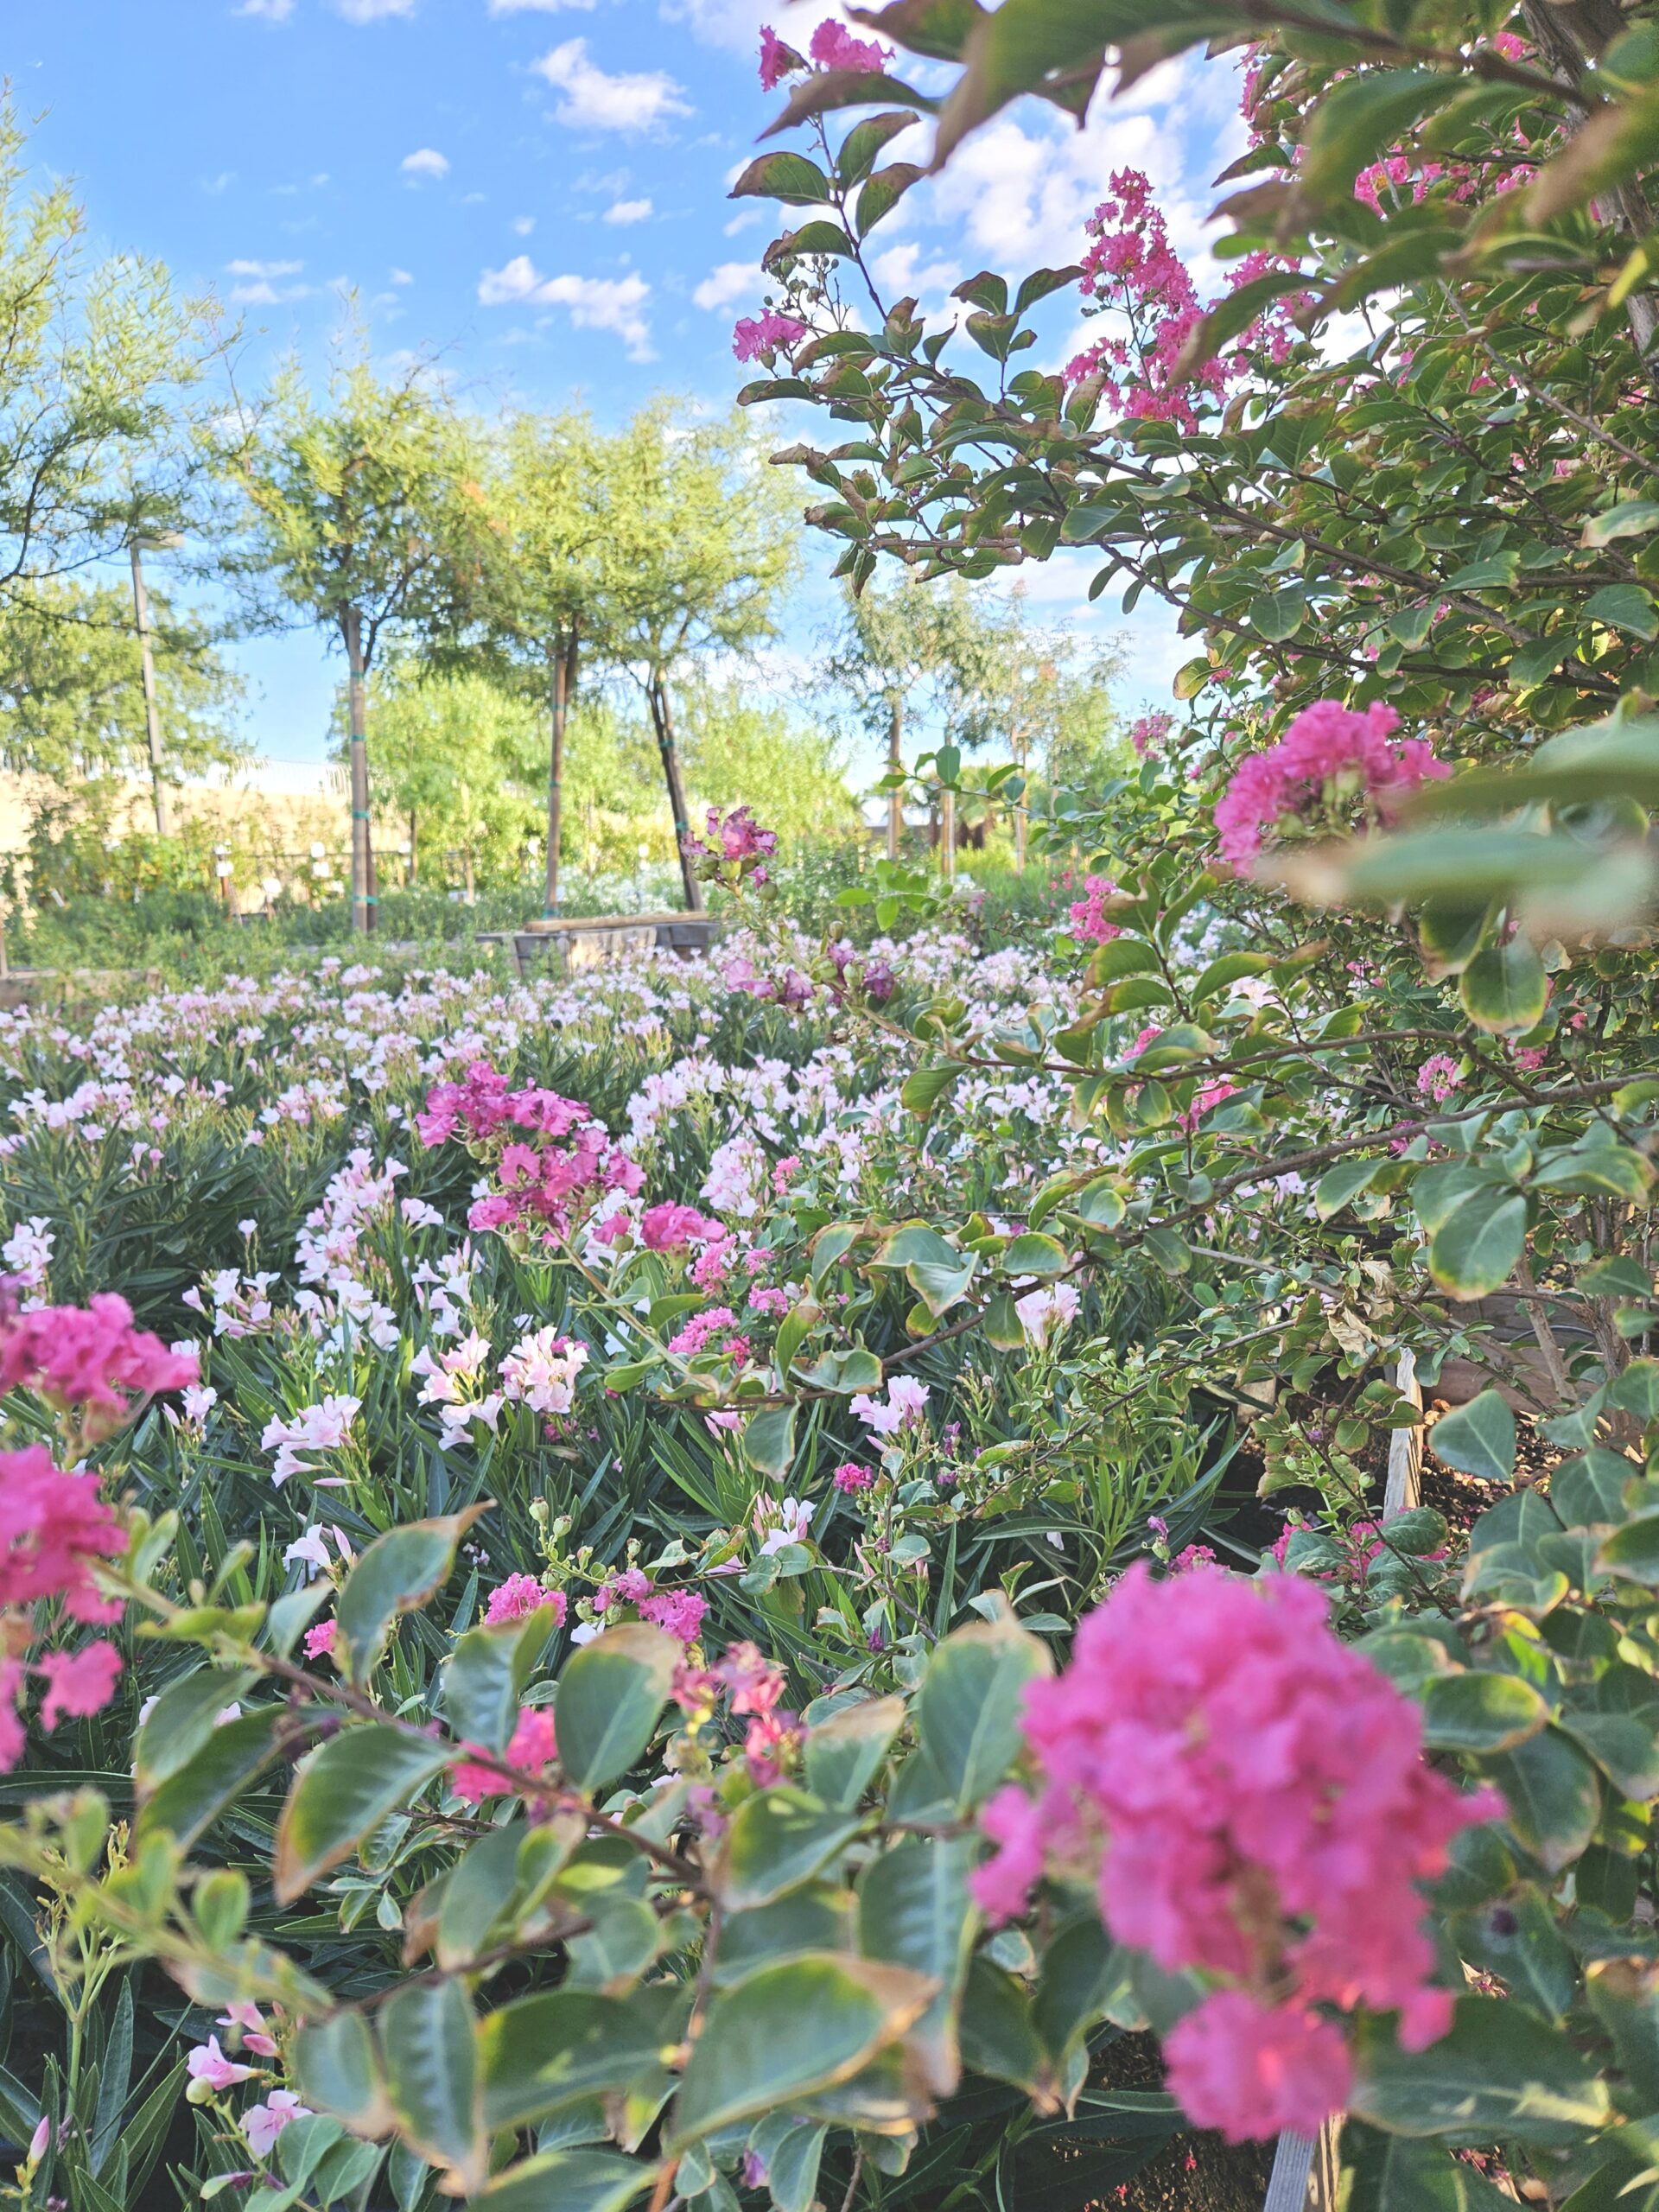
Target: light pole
{"type": "Point", "coordinates": [161, 542]}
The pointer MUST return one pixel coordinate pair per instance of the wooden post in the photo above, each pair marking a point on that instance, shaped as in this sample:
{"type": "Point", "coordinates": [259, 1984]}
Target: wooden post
{"type": "Point", "coordinates": [895, 762]}
{"type": "Point", "coordinates": [147, 668]}
{"type": "Point", "coordinates": [351, 625]}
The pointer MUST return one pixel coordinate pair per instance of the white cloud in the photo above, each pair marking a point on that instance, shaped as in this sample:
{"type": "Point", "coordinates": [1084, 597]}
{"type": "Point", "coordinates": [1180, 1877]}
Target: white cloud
{"type": "Point", "coordinates": [269, 11]}
{"type": "Point", "coordinates": [594, 100]}
{"type": "Point", "coordinates": [901, 274]}
{"type": "Point", "coordinates": [736, 24]}
{"type": "Point", "coordinates": [733, 280]}
{"type": "Point", "coordinates": [374, 11]}
{"type": "Point", "coordinates": [627, 211]}
{"type": "Point", "coordinates": [594, 302]}
{"type": "Point", "coordinates": [535, 7]}
{"type": "Point", "coordinates": [426, 160]}
{"type": "Point", "coordinates": [400, 277]}
{"type": "Point", "coordinates": [745, 220]}
{"type": "Point", "coordinates": [264, 270]}
{"type": "Point", "coordinates": [523, 226]}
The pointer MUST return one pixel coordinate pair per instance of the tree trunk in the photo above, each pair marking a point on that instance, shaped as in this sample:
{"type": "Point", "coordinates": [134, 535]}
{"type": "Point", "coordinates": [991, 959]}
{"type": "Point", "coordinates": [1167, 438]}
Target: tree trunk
{"type": "Point", "coordinates": [1021, 815]}
{"type": "Point", "coordinates": [948, 833]}
{"type": "Point", "coordinates": [351, 629]}
{"type": "Point", "coordinates": [152, 712]}
{"type": "Point", "coordinates": [413, 850]}
{"type": "Point", "coordinates": [466, 875]}
{"type": "Point", "coordinates": [563, 688]}
{"type": "Point", "coordinates": [662, 716]}
{"type": "Point", "coordinates": [895, 762]}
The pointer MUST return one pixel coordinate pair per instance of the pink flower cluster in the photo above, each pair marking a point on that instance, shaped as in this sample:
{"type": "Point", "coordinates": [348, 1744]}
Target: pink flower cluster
{"type": "Point", "coordinates": [520, 1596]}
{"type": "Point", "coordinates": [833, 46]}
{"type": "Point", "coordinates": [735, 845]}
{"type": "Point", "coordinates": [53, 1529]}
{"type": "Point", "coordinates": [1253, 1796]}
{"type": "Point", "coordinates": [91, 1358]}
{"type": "Point", "coordinates": [755, 1687]}
{"type": "Point", "coordinates": [680, 1611]}
{"type": "Point", "coordinates": [676, 1228]}
{"type": "Point", "coordinates": [533, 1749]}
{"type": "Point", "coordinates": [1132, 269]}
{"type": "Point", "coordinates": [1088, 915]}
{"type": "Point", "coordinates": [1329, 752]}
{"type": "Point", "coordinates": [1439, 1077]}
{"type": "Point", "coordinates": [713, 1330]}
{"type": "Point", "coordinates": [1147, 735]}
{"type": "Point", "coordinates": [757, 337]}
{"type": "Point", "coordinates": [545, 1188]}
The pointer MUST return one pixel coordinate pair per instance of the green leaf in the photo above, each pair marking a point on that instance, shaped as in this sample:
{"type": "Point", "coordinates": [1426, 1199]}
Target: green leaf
{"type": "Point", "coordinates": [399, 1573]}
{"type": "Point", "coordinates": [1623, 1994]}
{"type": "Point", "coordinates": [342, 1793]}
{"type": "Point", "coordinates": [969, 1708]}
{"type": "Point", "coordinates": [1481, 1712]}
{"type": "Point", "coordinates": [1553, 1795]}
{"type": "Point", "coordinates": [1632, 1552]}
{"type": "Point", "coordinates": [995, 2030]}
{"type": "Point", "coordinates": [924, 1088]}
{"type": "Point", "coordinates": [883, 191]}
{"type": "Point", "coordinates": [1231, 968]}
{"type": "Point", "coordinates": [1475, 1250]}
{"type": "Point", "coordinates": [1629, 519]}
{"type": "Point", "coordinates": [1477, 1439]}
{"type": "Point", "coordinates": [580, 2180]}
{"type": "Point", "coordinates": [183, 1719]}
{"type": "Point", "coordinates": [789, 177]}
{"type": "Point", "coordinates": [1003, 1327]}
{"type": "Point", "coordinates": [1504, 988]}
{"type": "Point", "coordinates": [787, 2031]}
{"type": "Point", "coordinates": [1034, 1254]}
{"type": "Point", "coordinates": [188, 1802]}
{"type": "Point", "coordinates": [609, 1697]}
{"type": "Point", "coordinates": [1502, 2073]}
{"type": "Point", "coordinates": [914, 1910]}
{"type": "Point", "coordinates": [485, 1675]}
{"type": "Point", "coordinates": [811, 237]}
{"type": "Point", "coordinates": [481, 1887]}
{"type": "Point", "coordinates": [429, 2058]}
{"type": "Point", "coordinates": [542, 2054]}
{"type": "Point", "coordinates": [1338, 1187]}
{"type": "Point", "coordinates": [1390, 2173]}
{"type": "Point", "coordinates": [1278, 614]}
{"type": "Point", "coordinates": [778, 1839]}
{"type": "Point", "coordinates": [791, 2151]}
{"type": "Point", "coordinates": [1624, 607]}
{"type": "Point", "coordinates": [843, 1753]}
{"type": "Point", "coordinates": [1595, 1171]}
{"type": "Point", "coordinates": [337, 2071]}
{"type": "Point", "coordinates": [865, 141]}
{"type": "Point", "coordinates": [1636, 1391]}
{"type": "Point", "coordinates": [769, 1441]}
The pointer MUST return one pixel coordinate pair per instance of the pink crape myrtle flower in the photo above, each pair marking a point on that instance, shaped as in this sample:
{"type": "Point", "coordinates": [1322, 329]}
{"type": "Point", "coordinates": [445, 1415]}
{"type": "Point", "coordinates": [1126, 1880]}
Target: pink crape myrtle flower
{"type": "Point", "coordinates": [1439, 1077]}
{"type": "Point", "coordinates": [834, 47]}
{"type": "Point", "coordinates": [533, 1748]}
{"type": "Point", "coordinates": [1087, 916]}
{"type": "Point", "coordinates": [319, 1641]}
{"type": "Point", "coordinates": [777, 60]}
{"type": "Point", "coordinates": [676, 1228]}
{"type": "Point", "coordinates": [1249, 2069]}
{"type": "Point", "coordinates": [520, 1596]}
{"type": "Point", "coordinates": [679, 1611]}
{"type": "Point", "coordinates": [850, 1478]}
{"type": "Point", "coordinates": [91, 1358]}
{"type": "Point", "coordinates": [53, 1528]}
{"type": "Point", "coordinates": [1253, 1796]}
{"type": "Point", "coordinates": [78, 1683]}
{"type": "Point", "coordinates": [1329, 751]}
{"type": "Point", "coordinates": [757, 337]}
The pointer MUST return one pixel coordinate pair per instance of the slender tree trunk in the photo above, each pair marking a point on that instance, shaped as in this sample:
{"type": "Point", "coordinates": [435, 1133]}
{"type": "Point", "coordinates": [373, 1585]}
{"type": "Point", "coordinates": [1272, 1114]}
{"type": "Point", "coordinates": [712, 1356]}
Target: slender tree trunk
{"type": "Point", "coordinates": [947, 832]}
{"type": "Point", "coordinates": [1021, 812]}
{"type": "Point", "coordinates": [152, 712]}
{"type": "Point", "coordinates": [895, 762]}
{"type": "Point", "coordinates": [414, 850]}
{"type": "Point", "coordinates": [466, 875]}
{"type": "Point", "coordinates": [351, 627]}
{"type": "Point", "coordinates": [662, 715]}
{"type": "Point", "coordinates": [563, 689]}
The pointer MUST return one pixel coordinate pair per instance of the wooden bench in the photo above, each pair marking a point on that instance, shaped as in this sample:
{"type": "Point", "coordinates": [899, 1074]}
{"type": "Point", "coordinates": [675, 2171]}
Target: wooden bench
{"type": "Point", "coordinates": [602, 940]}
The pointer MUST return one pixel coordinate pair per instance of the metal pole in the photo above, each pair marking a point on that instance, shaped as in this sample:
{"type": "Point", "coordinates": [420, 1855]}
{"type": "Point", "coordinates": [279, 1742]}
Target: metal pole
{"type": "Point", "coordinates": [152, 715]}
{"type": "Point", "coordinates": [362, 893]}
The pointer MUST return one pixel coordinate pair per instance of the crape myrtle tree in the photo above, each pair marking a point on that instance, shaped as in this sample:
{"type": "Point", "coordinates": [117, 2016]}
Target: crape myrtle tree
{"type": "Point", "coordinates": [697, 552]}
{"type": "Point", "coordinates": [362, 512]}
{"type": "Point", "coordinates": [544, 598]}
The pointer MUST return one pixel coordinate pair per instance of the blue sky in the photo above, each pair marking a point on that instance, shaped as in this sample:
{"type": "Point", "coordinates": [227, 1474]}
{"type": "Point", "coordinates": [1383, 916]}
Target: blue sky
{"type": "Point", "coordinates": [536, 191]}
